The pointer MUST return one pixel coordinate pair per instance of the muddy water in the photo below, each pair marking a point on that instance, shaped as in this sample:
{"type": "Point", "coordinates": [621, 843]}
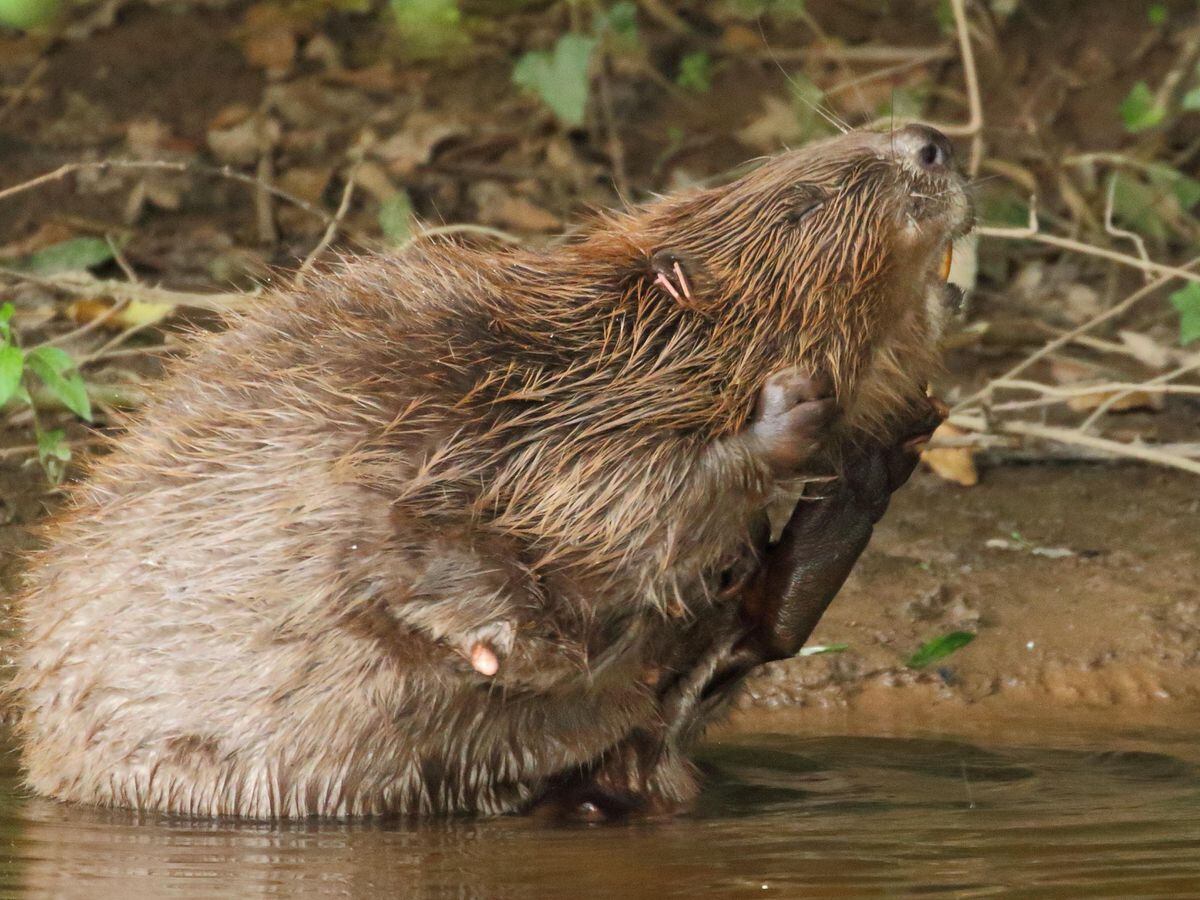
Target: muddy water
{"type": "Point", "coordinates": [784, 816]}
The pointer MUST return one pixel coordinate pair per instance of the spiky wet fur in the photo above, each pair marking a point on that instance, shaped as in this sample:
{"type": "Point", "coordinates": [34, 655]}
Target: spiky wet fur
{"type": "Point", "coordinates": [251, 606]}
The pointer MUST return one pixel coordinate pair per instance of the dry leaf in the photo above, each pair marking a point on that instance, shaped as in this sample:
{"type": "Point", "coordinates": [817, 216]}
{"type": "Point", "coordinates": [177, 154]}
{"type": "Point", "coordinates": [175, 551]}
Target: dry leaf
{"type": "Point", "coordinates": [135, 314]}
{"type": "Point", "coordinates": [1143, 400]}
{"type": "Point", "coordinates": [268, 37]}
{"type": "Point", "coordinates": [413, 144]}
{"type": "Point", "coordinates": [1146, 350]}
{"type": "Point", "coordinates": [500, 208]}
{"type": "Point", "coordinates": [777, 126]}
{"type": "Point", "coordinates": [955, 464]}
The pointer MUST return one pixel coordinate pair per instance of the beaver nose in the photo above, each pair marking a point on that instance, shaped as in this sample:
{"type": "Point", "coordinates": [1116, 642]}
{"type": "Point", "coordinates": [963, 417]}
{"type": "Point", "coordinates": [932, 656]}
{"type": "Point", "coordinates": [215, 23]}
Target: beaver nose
{"type": "Point", "coordinates": [927, 147]}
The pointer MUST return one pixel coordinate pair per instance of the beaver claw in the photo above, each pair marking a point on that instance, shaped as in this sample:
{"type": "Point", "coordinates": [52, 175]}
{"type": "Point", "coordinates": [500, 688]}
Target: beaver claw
{"type": "Point", "coordinates": [790, 419]}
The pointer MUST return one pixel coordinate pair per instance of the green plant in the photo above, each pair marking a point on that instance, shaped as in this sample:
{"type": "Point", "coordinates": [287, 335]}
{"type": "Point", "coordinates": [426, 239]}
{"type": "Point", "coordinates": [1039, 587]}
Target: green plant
{"type": "Point", "coordinates": [395, 218]}
{"type": "Point", "coordinates": [1187, 301]}
{"type": "Point", "coordinates": [429, 29]}
{"type": "Point", "coordinates": [53, 368]}
{"type": "Point", "coordinates": [1140, 109]}
{"type": "Point", "coordinates": [939, 648]}
{"type": "Point", "coordinates": [27, 14]}
{"type": "Point", "coordinates": [562, 77]}
{"type": "Point", "coordinates": [695, 72]}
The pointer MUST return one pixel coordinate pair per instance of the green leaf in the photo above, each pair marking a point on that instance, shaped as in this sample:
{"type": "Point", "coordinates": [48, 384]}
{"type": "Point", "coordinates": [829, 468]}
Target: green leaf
{"type": "Point", "coordinates": [1139, 111]}
{"type": "Point", "coordinates": [561, 79]}
{"type": "Point", "coordinates": [395, 218]}
{"type": "Point", "coordinates": [1187, 301]}
{"type": "Point", "coordinates": [1191, 100]}
{"type": "Point", "coordinates": [809, 99]}
{"type": "Point", "coordinates": [6, 314]}
{"type": "Point", "coordinates": [905, 103]}
{"type": "Point", "coordinates": [619, 20]}
{"type": "Point", "coordinates": [54, 357]}
{"type": "Point", "coordinates": [1135, 206]}
{"type": "Point", "coordinates": [52, 366]}
{"type": "Point", "coordinates": [944, 14]}
{"type": "Point", "coordinates": [819, 649]}
{"type": "Point", "coordinates": [27, 14]}
{"type": "Point", "coordinates": [53, 453]}
{"type": "Point", "coordinates": [12, 364]}
{"type": "Point", "coordinates": [428, 28]}
{"type": "Point", "coordinates": [74, 255]}
{"type": "Point", "coordinates": [1185, 189]}
{"type": "Point", "coordinates": [939, 648]}
{"type": "Point", "coordinates": [695, 72]}
{"type": "Point", "coordinates": [1157, 14]}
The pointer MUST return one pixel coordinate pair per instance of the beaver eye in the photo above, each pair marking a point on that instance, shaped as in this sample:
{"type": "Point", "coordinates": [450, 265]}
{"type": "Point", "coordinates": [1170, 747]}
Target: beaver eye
{"type": "Point", "coordinates": [805, 201]}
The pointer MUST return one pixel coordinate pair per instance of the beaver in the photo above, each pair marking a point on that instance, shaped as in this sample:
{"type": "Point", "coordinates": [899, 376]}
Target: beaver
{"type": "Point", "coordinates": [452, 530]}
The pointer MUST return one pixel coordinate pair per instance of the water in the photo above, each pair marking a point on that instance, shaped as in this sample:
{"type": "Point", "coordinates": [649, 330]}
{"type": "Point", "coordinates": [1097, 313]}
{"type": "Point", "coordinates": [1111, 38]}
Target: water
{"type": "Point", "coordinates": [784, 816]}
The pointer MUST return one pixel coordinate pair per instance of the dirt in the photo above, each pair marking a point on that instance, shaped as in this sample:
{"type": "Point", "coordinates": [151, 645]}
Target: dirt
{"type": "Point", "coordinates": [1080, 584]}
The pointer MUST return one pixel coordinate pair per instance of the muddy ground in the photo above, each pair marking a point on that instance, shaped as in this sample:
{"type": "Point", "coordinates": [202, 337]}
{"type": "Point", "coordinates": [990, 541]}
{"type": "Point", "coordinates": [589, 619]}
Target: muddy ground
{"type": "Point", "coordinates": [1079, 580]}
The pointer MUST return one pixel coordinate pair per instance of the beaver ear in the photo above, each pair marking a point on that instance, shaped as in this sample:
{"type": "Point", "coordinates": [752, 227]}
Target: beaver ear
{"type": "Point", "coordinates": [804, 200]}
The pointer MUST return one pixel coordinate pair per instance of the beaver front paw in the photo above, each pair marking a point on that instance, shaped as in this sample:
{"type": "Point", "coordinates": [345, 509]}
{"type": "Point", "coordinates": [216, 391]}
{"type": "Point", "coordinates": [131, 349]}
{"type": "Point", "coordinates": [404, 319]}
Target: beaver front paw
{"type": "Point", "coordinates": [791, 418]}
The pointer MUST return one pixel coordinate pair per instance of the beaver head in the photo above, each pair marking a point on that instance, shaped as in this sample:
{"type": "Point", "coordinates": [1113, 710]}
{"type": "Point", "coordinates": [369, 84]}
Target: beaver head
{"type": "Point", "coordinates": [833, 257]}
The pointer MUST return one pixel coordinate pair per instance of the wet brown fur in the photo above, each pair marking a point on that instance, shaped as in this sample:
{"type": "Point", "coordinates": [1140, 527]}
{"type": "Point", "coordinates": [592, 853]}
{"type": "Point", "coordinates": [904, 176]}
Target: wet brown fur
{"type": "Point", "coordinates": [252, 605]}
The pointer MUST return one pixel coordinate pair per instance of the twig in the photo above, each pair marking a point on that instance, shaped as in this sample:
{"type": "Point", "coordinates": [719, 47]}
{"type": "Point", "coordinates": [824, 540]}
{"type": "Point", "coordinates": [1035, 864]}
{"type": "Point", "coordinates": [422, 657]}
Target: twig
{"type": "Point", "coordinates": [999, 455]}
{"type": "Point", "coordinates": [1158, 383]}
{"type": "Point", "coordinates": [166, 166]}
{"type": "Point", "coordinates": [874, 75]}
{"type": "Point", "coordinates": [1132, 236]}
{"type": "Point", "coordinates": [974, 126]}
{"type": "Point", "coordinates": [1031, 233]}
{"type": "Point", "coordinates": [123, 291]}
{"type": "Point", "coordinates": [15, 99]}
{"type": "Point", "coordinates": [1066, 338]}
{"type": "Point", "coordinates": [105, 349]}
{"type": "Point", "coordinates": [864, 53]}
{"type": "Point", "coordinates": [331, 229]}
{"type": "Point", "coordinates": [86, 327]}
{"type": "Point", "coordinates": [122, 262]}
{"type": "Point", "coordinates": [1064, 392]}
{"type": "Point", "coordinates": [1144, 452]}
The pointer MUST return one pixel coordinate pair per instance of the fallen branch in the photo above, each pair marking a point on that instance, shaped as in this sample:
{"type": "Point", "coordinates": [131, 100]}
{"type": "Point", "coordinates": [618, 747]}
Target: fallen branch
{"type": "Point", "coordinates": [1031, 233]}
{"type": "Point", "coordinates": [1160, 455]}
{"type": "Point", "coordinates": [121, 292]}
{"type": "Point", "coordinates": [1062, 340]}
{"type": "Point", "coordinates": [330, 229]}
{"type": "Point", "coordinates": [163, 165]}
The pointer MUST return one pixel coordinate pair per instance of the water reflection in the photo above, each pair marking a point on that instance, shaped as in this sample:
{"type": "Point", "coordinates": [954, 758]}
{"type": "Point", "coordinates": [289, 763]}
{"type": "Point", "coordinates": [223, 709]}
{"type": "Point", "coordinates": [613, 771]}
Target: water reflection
{"type": "Point", "coordinates": [784, 816]}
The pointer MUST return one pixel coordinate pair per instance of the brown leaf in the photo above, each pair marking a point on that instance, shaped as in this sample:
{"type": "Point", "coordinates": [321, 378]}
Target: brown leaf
{"type": "Point", "coordinates": [1143, 400]}
{"type": "Point", "coordinates": [500, 208]}
{"type": "Point", "coordinates": [775, 127]}
{"type": "Point", "coordinates": [955, 464]}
